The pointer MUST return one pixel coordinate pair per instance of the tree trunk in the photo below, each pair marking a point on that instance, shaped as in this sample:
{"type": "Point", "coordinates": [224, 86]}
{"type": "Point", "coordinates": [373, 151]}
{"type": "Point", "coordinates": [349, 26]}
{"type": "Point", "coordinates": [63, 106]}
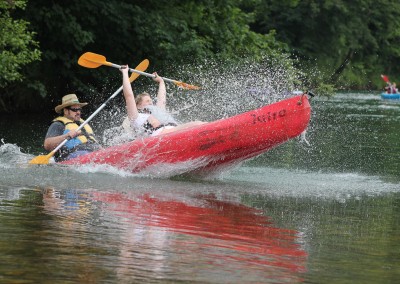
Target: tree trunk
{"type": "Point", "coordinates": [339, 70]}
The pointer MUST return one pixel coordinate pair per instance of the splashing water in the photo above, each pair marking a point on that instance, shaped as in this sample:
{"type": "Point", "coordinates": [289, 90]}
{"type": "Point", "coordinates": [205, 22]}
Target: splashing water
{"type": "Point", "coordinates": [303, 138]}
{"type": "Point", "coordinates": [226, 90]}
{"type": "Point", "coordinates": [231, 89]}
{"type": "Point", "coordinates": [11, 155]}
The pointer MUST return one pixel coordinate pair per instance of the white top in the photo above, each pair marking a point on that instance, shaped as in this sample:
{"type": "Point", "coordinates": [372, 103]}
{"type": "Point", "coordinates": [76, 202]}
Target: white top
{"type": "Point", "coordinates": [162, 115]}
{"type": "Point", "coordinates": [137, 124]}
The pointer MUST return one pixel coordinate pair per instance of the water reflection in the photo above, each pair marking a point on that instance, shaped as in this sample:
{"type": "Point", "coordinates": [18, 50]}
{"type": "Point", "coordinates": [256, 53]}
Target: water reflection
{"type": "Point", "coordinates": [221, 230]}
{"type": "Point", "coordinates": [92, 235]}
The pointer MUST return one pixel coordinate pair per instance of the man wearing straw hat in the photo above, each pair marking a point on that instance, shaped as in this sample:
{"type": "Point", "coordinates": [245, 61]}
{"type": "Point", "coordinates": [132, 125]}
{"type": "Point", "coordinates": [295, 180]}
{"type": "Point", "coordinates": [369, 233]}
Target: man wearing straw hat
{"type": "Point", "coordinates": [64, 127]}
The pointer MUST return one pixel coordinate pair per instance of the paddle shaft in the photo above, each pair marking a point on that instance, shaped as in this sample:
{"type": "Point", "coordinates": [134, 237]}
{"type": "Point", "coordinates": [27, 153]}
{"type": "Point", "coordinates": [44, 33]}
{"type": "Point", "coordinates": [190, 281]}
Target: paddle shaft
{"type": "Point", "coordinates": [385, 78]}
{"type": "Point", "coordinates": [44, 159]}
{"type": "Point", "coordinates": [93, 60]}
{"type": "Point", "coordinates": [140, 72]}
{"type": "Point", "coordinates": [89, 118]}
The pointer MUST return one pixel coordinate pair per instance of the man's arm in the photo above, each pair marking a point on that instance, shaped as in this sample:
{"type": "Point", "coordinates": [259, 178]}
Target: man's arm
{"type": "Point", "coordinates": [55, 135]}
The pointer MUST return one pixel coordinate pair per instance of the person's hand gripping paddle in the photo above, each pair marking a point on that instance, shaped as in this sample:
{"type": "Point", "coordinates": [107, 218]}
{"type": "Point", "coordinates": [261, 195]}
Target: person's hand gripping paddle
{"type": "Point", "coordinates": [44, 159]}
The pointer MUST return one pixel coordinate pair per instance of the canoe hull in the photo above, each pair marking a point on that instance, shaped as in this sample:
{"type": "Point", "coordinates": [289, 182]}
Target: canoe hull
{"type": "Point", "coordinates": [216, 144]}
{"type": "Point", "coordinates": [390, 96]}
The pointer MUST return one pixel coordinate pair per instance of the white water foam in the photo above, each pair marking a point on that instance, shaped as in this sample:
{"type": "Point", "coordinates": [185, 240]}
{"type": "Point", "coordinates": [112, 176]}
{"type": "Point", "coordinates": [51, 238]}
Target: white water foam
{"type": "Point", "coordinates": [299, 183]}
{"type": "Point", "coordinates": [11, 155]}
{"type": "Point", "coordinates": [160, 170]}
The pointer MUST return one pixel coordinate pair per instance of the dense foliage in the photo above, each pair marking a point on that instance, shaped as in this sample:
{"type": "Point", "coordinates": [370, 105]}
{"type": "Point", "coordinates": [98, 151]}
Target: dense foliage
{"type": "Point", "coordinates": [352, 42]}
{"type": "Point", "coordinates": [17, 46]}
{"type": "Point", "coordinates": [347, 44]}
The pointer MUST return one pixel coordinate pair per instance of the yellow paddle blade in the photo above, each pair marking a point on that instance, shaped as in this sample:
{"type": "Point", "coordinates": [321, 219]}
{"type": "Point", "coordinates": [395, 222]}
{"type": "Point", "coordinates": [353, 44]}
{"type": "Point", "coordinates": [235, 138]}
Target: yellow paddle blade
{"type": "Point", "coordinates": [141, 67]}
{"type": "Point", "coordinates": [42, 159]}
{"type": "Point", "coordinates": [88, 64]}
{"type": "Point", "coordinates": [92, 60]}
{"type": "Point", "coordinates": [186, 86]}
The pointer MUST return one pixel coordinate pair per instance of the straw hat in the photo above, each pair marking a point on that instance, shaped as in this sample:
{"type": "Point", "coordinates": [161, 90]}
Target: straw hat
{"type": "Point", "coordinates": [68, 100]}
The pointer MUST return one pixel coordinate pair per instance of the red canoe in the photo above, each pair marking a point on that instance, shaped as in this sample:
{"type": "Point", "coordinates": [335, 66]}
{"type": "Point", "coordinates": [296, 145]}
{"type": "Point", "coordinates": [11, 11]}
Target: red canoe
{"type": "Point", "coordinates": [213, 145]}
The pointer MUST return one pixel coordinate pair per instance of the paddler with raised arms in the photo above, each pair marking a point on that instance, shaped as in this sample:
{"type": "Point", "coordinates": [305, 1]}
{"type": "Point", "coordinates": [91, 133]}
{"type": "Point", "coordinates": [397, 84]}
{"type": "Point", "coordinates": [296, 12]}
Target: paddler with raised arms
{"type": "Point", "coordinates": [146, 118]}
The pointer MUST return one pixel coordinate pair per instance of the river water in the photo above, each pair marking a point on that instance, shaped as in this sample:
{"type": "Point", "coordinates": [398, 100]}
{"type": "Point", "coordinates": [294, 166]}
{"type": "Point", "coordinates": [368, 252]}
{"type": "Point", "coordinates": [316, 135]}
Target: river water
{"type": "Point", "coordinates": [321, 209]}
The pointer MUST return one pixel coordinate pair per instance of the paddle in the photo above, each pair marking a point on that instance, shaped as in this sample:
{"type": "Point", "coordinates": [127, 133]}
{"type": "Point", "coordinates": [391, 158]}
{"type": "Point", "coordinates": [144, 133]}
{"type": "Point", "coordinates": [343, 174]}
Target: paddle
{"type": "Point", "coordinates": [44, 159]}
{"type": "Point", "coordinates": [93, 60]}
{"type": "Point", "coordinates": [385, 78]}
{"type": "Point", "coordinates": [391, 89]}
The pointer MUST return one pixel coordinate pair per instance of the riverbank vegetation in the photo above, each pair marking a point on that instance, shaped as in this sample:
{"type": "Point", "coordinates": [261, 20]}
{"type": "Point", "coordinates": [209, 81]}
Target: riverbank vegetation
{"type": "Point", "coordinates": [342, 44]}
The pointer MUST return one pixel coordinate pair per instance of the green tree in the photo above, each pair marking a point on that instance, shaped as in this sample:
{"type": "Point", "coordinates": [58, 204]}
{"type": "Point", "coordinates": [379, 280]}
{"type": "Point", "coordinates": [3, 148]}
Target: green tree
{"type": "Point", "coordinates": [352, 41]}
{"type": "Point", "coordinates": [169, 33]}
{"type": "Point", "coordinates": [17, 44]}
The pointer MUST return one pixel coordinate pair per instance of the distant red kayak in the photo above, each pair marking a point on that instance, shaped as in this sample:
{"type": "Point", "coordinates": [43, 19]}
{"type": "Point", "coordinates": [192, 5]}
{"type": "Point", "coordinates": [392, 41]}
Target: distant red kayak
{"type": "Point", "coordinates": [206, 148]}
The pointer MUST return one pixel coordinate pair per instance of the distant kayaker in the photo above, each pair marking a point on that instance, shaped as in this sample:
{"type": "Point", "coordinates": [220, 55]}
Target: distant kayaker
{"type": "Point", "coordinates": [391, 88]}
{"type": "Point", "coordinates": [64, 127]}
{"type": "Point", "coordinates": [146, 118]}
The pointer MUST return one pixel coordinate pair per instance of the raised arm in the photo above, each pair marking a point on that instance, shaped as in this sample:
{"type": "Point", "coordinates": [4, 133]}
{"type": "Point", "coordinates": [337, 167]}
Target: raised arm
{"type": "Point", "coordinates": [162, 92]}
{"type": "Point", "coordinates": [128, 94]}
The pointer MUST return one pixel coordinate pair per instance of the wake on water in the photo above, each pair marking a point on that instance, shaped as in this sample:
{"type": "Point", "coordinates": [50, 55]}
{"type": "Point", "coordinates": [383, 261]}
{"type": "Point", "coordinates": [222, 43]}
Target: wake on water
{"type": "Point", "coordinates": [15, 171]}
